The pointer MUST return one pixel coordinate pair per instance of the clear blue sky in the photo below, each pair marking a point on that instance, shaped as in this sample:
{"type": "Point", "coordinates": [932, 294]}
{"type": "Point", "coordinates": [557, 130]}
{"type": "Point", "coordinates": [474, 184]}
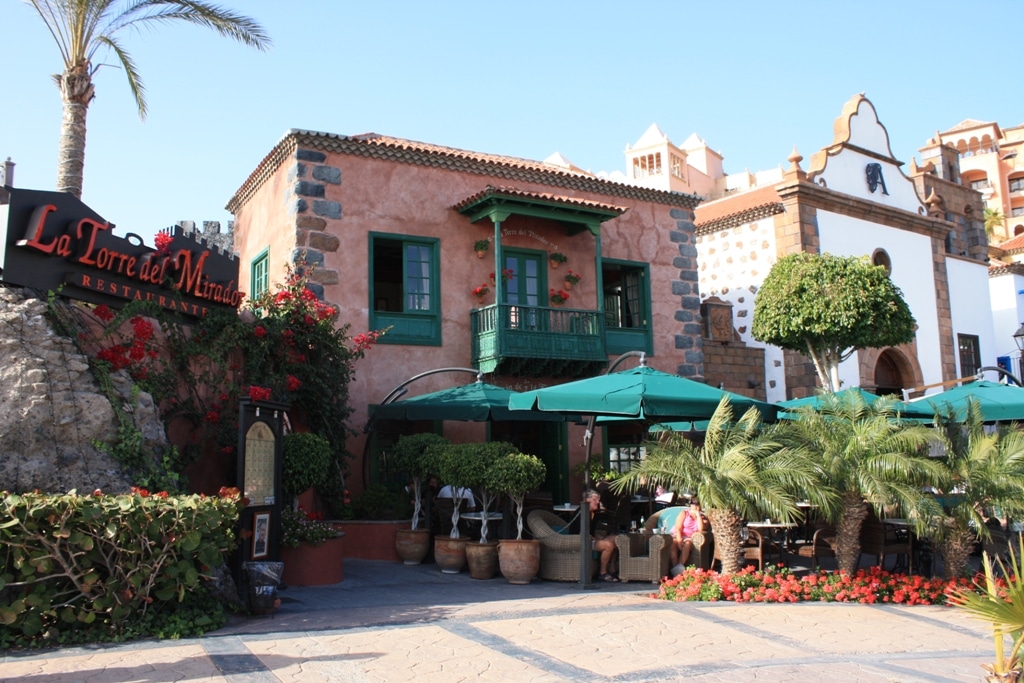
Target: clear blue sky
{"type": "Point", "coordinates": [527, 78]}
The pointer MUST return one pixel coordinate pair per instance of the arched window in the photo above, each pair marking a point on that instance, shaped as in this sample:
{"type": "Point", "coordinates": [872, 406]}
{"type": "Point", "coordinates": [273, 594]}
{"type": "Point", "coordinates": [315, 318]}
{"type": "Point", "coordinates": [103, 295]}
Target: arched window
{"type": "Point", "coordinates": [881, 258]}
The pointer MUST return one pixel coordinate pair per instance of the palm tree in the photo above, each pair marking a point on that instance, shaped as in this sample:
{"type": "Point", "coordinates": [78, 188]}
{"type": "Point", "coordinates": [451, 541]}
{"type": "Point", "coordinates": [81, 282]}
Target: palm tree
{"type": "Point", "coordinates": [865, 453]}
{"type": "Point", "coordinates": [82, 27]}
{"type": "Point", "coordinates": [740, 472]}
{"type": "Point", "coordinates": [993, 219]}
{"type": "Point", "coordinates": [984, 470]}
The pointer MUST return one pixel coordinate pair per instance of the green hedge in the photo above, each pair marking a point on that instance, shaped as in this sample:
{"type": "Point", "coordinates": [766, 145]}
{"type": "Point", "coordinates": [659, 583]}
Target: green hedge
{"type": "Point", "coordinates": [96, 563]}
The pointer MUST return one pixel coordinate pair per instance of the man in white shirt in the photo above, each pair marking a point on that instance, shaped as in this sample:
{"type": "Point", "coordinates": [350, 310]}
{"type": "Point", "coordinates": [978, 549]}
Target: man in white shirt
{"type": "Point", "coordinates": [465, 494]}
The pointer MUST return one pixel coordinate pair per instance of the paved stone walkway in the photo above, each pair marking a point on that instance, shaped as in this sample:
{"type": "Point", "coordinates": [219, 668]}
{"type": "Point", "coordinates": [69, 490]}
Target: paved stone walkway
{"type": "Point", "coordinates": [388, 622]}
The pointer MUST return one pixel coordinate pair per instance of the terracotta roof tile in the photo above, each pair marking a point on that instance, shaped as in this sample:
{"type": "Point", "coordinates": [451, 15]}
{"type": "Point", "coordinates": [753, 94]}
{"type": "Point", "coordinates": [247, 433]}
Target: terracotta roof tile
{"type": "Point", "coordinates": [491, 190]}
{"type": "Point", "coordinates": [1005, 268]}
{"type": "Point", "coordinates": [1014, 244]}
{"type": "Point", "coordinates": [737, 209]}
{"type": "Point", "coordinates": [424, 154]}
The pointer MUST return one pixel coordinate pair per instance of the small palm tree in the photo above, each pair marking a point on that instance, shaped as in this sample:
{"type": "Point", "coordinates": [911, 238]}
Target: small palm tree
{"type": "Point", "coordinates": [984, 469]}
{"type": "Point", "coordinates": [82, 27]}
{"type": "Point", "coordinates": [993, 219]}
{"type": "Point", "coordinates": [740, 472]}
{"type": "Point", "coordinates": [1003, 607]}
{"type": "Point", "coordinates": [865, 453]}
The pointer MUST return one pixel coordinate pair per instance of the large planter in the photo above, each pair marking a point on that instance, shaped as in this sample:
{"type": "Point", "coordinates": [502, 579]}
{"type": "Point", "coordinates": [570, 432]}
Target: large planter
{"type": "Point", "coordinates": [372, 539]}
{"type": "Point", "coordinates": [412, 544]}
{"type": "Point", "coordinates": [482, 559]}
{"type": "Point", "coordinates": [315, 565]}
{"type": "Point", "coordinates": [450, 553]}
{"type": "Point", "coordinates": [519, 560]}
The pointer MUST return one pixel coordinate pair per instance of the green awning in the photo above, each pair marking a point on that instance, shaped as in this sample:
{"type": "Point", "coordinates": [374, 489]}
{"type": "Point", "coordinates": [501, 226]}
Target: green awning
{"type": "Point", "coordinates": [640, 393]}
{"type": "Point", "coordinates": [476, 402]}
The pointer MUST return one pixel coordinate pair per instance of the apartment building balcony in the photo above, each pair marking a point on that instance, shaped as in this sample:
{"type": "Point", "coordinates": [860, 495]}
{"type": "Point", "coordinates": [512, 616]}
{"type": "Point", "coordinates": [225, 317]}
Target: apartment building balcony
{"type": "Point", "coordinates": [538, 340]}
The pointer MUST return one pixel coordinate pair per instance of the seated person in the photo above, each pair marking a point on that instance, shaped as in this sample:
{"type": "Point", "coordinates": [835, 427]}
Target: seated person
{"type": "Point", "coordinates": [687, 522]}
{"type": "Point", "coordinates": [466, 495]}
{"type": "Point", "coordinates": [602, 533]}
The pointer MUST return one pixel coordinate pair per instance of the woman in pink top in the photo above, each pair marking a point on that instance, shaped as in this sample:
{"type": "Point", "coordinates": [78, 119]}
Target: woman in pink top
{"type": "Point", "coordinates": [687, 524]}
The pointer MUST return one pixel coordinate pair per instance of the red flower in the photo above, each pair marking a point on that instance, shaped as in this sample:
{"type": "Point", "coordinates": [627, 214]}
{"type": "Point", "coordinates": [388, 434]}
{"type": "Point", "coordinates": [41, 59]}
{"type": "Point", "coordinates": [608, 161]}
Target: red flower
{"type": "Point", "coordinates": [227, 450]}
{"type": "Point", "coordinates": [213, 417]}
{"type": "Point", "coordinates": [260, 331]}
{"type": "Point", "coordinates": [292, 383]}
{"type": "Point", "coordinates": [143, 329]}
{"type": "Point", "coordinates": [259, 393]}
{"type": "Point", "coordinates": [104, 313]}
{"type": "Point", "coordinates": [163, 241]}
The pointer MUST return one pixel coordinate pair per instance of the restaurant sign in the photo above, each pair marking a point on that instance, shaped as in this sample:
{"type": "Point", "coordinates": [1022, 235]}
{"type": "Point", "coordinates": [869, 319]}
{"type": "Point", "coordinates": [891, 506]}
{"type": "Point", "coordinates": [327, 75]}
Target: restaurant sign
{"type": "Point", "coordinates": [55, 242]}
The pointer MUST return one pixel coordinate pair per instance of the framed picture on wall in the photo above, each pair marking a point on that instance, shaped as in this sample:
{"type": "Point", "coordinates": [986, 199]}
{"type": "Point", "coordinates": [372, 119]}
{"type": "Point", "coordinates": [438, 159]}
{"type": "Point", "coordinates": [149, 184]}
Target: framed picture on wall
{"type": "Point", "coordinates": [260, 532]}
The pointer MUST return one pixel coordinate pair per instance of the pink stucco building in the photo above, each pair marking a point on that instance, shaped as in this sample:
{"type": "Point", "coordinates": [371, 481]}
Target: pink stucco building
{"type": "Point", "coordinates": [391, 226]}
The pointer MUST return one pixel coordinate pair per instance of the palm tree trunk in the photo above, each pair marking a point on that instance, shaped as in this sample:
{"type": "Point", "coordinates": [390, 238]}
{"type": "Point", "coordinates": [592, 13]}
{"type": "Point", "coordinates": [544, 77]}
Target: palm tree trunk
{"type": "Point", "coordinates": [956, 549]}
{"type": "Point", "coordinates": [76, 91]}
{"type": "Point", "coordinates": [725, 527]}
{"type": "Point", "coordinates": [851, 517]}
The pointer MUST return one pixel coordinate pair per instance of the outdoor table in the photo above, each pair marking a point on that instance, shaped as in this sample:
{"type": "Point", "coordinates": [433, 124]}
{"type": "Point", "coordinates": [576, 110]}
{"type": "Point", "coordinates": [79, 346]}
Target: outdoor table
{"type": "Point", "coordinates": [478, 518]}
{"type": "Point", "coordinates": [568, 511]}
{"type": "Point", "coordinates": [640, 507]}
{"type": "Point", "coordinates": [806, 509]}
{"type": "Point", "coordinates": [777, 533]}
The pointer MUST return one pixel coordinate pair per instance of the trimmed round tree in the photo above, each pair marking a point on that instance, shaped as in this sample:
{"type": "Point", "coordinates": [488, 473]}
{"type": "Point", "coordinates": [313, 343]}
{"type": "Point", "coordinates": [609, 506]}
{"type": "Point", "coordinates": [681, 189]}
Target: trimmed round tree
{"type": "Point", "coordinates": [306, 461]}
{"type": "Point", "coordinates": [516, 474]}
{"type": "Point", "coordinates": [408, 458]}
{"type": "Point", "coordinates": [826, 307]}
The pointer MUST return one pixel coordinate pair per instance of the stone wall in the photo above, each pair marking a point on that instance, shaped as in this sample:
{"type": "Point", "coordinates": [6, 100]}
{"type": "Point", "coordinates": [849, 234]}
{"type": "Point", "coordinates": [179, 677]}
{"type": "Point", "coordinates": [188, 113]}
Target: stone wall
{"type": "Point", "coordinates": [52, 411]}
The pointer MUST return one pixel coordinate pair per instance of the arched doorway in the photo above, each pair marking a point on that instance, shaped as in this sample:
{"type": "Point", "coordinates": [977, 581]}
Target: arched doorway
{"type": "Point", "coordinates": [888, 378]}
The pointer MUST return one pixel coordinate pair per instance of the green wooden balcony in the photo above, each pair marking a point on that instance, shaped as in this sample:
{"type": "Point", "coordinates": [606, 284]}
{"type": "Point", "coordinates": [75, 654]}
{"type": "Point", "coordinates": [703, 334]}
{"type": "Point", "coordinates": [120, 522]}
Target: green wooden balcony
{"type": "Point", "coordinates": [538, 341]}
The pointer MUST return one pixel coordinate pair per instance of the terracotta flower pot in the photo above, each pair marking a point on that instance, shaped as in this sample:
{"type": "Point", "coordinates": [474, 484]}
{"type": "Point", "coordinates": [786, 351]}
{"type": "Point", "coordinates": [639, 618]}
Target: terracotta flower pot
{"type": "Point", "coordinates": [450, 554]}
{"type": "Point", "coordinates": [519, 560]}
{"type": "Point", "coordinates": [482, 559]}
{"type": "Point", "coordinates": [566, 285]}
{"type": "Point", "coordinates": [315, 565]}
{"type": "Point", "coordinates": [412, 545]}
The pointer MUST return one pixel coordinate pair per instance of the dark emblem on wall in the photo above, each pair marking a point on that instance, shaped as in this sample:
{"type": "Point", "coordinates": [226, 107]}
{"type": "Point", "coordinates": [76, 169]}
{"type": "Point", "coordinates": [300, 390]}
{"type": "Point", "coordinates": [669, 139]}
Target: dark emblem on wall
{"type": "Point", "coordinates": [874, 172]}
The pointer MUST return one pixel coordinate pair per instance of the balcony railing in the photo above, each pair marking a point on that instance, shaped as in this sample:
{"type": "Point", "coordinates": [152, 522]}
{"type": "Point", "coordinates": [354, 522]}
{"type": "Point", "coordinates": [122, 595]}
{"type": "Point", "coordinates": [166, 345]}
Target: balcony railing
{"type": "Point", "coordinates": [538, 340]}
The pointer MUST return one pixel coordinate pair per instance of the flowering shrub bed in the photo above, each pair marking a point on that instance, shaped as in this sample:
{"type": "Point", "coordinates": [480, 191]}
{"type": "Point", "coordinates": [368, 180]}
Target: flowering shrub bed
{"type": "Point", "coordinates": [95, 564]}
{"type": "Point", "coordinates": [299, 526]}
{"type": "Point", "coordinates": [779, 584]}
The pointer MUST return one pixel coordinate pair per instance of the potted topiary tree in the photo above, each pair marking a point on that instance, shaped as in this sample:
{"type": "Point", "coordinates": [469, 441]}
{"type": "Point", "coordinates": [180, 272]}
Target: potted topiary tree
{"type": "Point", "coordinates": [408, 457]}
{"type": "Point", "coordinates": [305, 463]}
{"type": "Point", "coordinates": [312, 550]}
{"type": "Point", "coordinates": [516, 474]}
{"type": "Point", "coordinates": [479, 460]}
{"type": "Point", "coordinates": [445, 461]}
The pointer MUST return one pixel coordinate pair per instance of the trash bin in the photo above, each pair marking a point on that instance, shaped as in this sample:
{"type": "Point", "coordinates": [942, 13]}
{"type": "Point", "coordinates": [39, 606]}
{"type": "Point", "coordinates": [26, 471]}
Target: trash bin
{"type": "Point", "coordinates": [262, 579]}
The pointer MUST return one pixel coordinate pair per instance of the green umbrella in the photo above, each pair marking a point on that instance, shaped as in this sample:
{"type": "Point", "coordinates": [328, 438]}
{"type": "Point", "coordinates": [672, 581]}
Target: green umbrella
{"type": "Point", "coordinates": [997, 401]}
{"type": "Point", "coordinates": [641, 393]}
{"type": "Point", "coordinates": [905, 409]}
{"type": "Point", "coordinates": [476, 402]}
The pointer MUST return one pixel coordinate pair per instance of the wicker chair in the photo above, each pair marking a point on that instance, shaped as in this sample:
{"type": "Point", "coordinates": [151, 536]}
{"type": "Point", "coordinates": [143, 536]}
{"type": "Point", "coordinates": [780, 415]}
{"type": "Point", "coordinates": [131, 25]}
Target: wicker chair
{"type": "Point", "coordinates": [643, 557]}
{"type": "Point", "coordinates": [702, 554]}
{"type": "Point", "coordinates": [559, 553]}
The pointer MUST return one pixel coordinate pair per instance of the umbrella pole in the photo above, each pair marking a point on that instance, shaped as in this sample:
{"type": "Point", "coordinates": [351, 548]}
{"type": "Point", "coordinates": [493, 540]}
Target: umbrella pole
{"type": "Point", "coordinates": [586, 551]}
